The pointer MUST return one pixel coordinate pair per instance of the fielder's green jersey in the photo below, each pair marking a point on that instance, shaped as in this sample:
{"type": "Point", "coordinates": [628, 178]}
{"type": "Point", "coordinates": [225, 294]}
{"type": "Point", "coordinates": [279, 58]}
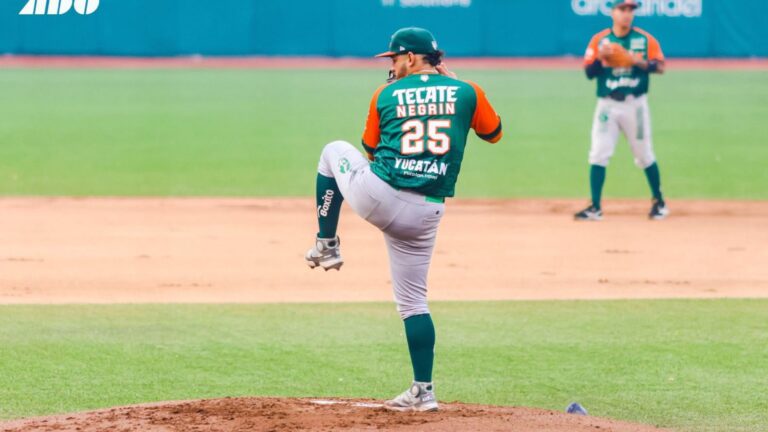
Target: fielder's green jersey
{"type": "Point", "coordinates": [632, 80]}
{"type": "Point", "coordinates": [417, 130]}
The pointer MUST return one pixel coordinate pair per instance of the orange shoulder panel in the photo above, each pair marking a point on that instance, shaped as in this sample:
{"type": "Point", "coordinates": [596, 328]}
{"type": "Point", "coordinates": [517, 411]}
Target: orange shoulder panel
{"type": "Point", "coordinates": [654, 48]}
{"type": "Point", "coordinates": [372, 132]}
{"type": "Point", "coordinates": [591, 55]}
{"type": "Point", "coordinates": [485, 122]}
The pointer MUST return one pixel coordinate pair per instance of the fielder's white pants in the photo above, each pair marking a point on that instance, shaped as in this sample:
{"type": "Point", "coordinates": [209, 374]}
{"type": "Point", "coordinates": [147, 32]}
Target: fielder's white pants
{"type": "Point", "coordinates": [630, 117]}
{"type": "Point", "coordinates": [408, 221]}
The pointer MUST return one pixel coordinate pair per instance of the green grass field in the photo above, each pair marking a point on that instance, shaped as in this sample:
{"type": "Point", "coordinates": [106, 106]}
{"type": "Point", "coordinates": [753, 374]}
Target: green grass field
{"type": "Point", "coordinates": [693, 365]}
{"type": "Point", "coordinates": [259, 132]}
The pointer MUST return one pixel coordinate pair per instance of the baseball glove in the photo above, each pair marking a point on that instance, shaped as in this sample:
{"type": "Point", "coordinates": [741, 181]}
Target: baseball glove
{"type": "Point", "coordinates": [619, 57]}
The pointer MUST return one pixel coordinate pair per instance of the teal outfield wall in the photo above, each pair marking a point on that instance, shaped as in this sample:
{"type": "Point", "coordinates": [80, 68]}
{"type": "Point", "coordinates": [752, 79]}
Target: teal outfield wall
{"type": "Point", "coordinates": [685, 28]}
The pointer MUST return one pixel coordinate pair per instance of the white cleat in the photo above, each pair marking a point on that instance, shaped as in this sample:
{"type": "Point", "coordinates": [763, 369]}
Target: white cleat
{"type": "Point", "coordinates": [325, 254]}
{"type": "Point", "coordinates": [419, 398]}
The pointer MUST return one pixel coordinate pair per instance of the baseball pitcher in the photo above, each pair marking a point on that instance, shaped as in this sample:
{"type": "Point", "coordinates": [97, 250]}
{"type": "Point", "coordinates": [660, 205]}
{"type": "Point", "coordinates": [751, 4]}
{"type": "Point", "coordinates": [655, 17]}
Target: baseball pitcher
{"type": "Point", "coordinates": [621, 59]}
{"type": "Point", "coordinates": [415, 137]}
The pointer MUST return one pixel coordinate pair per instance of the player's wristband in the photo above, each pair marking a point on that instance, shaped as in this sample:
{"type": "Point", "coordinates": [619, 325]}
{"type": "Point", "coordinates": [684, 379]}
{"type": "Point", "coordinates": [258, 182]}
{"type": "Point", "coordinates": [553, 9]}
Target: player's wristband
{"type": "Point", "coordinates": [594, 69]}
{"type": "Point", "coordinates": [653, 66]}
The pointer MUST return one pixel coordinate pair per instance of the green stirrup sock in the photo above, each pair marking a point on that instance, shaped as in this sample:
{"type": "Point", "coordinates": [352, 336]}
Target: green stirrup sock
{"type": "Point", "coordinates": [654, 180]}
{"type": "Point", "coordinates": [420, 333]}
{"type": "Point", "coordinates": [329, 201]}
{"type": "Point", "coordinates": [596, 181]}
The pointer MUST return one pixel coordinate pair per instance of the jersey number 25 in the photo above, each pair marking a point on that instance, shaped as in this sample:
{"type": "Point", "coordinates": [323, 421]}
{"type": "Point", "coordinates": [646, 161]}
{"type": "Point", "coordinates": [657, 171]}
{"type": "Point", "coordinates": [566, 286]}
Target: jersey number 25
{"type": "Point", "coordinates": [413, 137]}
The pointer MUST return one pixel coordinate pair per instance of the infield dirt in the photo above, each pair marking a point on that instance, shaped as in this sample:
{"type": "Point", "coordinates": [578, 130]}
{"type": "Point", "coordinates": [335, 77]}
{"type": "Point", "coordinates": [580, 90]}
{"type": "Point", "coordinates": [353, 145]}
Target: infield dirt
{"type": "Point", "coordinates": [62, 250]}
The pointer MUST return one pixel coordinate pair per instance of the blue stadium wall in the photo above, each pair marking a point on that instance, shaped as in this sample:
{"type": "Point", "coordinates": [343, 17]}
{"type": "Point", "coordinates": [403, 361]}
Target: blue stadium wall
{"type": "Point", "coordinates": [685, 28]}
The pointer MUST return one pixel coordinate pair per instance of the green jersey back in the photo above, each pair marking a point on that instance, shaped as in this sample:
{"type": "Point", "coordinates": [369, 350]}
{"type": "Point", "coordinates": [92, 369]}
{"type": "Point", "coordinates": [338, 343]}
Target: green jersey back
{"type": "Point", "coordinates": [632, 80]}
{"type": "Point", "coordinates": [417, 131]}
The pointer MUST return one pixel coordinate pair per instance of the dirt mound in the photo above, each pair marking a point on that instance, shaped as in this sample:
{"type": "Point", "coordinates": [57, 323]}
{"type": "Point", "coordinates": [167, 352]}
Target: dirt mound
{"type": "Point", "coordinates": [281, 414]}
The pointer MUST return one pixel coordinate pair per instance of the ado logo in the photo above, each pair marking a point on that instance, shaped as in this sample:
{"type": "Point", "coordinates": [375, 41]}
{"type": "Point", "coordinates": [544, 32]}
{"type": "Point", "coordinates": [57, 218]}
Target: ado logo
{"type": "Point", "coordinates": [59, 7]}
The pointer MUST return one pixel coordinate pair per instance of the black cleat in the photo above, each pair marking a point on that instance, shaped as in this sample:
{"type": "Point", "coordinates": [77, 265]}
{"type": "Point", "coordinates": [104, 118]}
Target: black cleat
{"type": "Point", "coordinates": [590, 213]}
{"type": "Point", "coordinates": [659, 210]}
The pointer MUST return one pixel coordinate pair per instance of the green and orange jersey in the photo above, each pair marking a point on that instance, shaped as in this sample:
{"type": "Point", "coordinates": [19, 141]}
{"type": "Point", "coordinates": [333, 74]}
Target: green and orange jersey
{"type": "Point", "coordinates": [632, 80]}
{"type": "Point", "coordinates": [417, 130]}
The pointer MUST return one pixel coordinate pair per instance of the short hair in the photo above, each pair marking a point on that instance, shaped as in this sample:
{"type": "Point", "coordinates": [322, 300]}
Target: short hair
{"type": "Point", "coordinates": [434, 58]}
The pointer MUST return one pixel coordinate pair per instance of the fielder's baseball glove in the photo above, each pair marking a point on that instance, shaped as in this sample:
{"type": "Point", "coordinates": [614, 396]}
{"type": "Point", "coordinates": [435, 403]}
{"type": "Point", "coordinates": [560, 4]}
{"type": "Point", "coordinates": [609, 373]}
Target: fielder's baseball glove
{"type": "Point", "coordinates": [619, 57]}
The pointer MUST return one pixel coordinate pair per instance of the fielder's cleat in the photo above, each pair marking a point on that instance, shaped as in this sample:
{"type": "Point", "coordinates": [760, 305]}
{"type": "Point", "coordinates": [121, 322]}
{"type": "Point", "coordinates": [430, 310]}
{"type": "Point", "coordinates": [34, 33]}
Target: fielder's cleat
{"type": "Point", "coordinates": [576, 408]}
{"type": "Point", "coordinates": [659, 210]}
{"type": "Point", "coordinates": [590, 213]}
{"type": "Point", "coordinates": [420, 398]}
{"type": "Point", "coordinates": [325, 254]}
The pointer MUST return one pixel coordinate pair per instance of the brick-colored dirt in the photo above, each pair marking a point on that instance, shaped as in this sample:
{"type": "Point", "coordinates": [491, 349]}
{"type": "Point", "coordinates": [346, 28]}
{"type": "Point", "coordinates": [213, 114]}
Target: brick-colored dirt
{"type": "Point", "coordinates": [195, 62]}
{"type": "Point", "coordinates": [277, 414]}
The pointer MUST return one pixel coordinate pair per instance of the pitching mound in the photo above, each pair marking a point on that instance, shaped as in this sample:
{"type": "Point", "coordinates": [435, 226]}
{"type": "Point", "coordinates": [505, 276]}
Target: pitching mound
{"type": "Point", "coordinates": [279, 414]}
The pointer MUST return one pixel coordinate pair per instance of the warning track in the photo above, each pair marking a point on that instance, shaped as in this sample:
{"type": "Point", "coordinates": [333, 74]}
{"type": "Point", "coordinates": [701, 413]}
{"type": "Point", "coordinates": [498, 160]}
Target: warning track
{"type": "Point", "coordinates": [198, 62]}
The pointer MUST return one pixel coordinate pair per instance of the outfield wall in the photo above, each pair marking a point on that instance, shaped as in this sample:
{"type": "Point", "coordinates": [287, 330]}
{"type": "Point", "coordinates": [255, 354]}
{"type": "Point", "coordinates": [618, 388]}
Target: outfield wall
{"type": "Point", "coordinates": [686, 28]}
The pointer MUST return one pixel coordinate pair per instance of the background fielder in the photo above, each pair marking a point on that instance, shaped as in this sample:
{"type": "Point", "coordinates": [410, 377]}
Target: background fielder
{"type": "Point", "coordinates": [621, 59]}
{"type": "Point", "coordinates": [415, 136]}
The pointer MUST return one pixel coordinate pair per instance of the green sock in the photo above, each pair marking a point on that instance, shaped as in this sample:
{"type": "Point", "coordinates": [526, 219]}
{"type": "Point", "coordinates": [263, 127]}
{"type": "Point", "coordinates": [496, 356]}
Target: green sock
{"type": "Point", "coordinates": [420, 333]}
{"type": "Point", "coordinates": [596, 181]}
{"type": "Point", "coordinates": [329, 201]}
{"type": "Point", "coordinates": [654, 180]}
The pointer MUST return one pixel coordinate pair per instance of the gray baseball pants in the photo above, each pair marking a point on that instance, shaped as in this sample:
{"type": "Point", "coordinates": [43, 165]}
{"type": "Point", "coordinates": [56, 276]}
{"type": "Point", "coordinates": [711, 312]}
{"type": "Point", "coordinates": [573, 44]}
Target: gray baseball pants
{"type": "Point", "coordinates": [633, 118]}
{"type": "Point", "coordinates": [409, 222]}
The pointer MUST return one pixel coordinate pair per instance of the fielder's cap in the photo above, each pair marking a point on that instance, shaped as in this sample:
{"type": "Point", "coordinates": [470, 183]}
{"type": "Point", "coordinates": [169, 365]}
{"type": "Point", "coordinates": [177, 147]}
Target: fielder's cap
{"type": "Point", "coordinates": [411, 39]}
{"type": "Point", "coordinates": [631, 3]}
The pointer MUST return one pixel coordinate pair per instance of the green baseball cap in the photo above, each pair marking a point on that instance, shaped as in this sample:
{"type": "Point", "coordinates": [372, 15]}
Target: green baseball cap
{"type": "Point", "coordinates": [411, 39]}
{"type": "Point", "coordinates": [631, 3]}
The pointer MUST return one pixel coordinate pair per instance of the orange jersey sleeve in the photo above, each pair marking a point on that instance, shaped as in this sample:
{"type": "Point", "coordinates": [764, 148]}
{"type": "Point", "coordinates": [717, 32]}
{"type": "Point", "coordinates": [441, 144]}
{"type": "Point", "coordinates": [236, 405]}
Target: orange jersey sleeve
{"type": "Point", "coordinates": [372, 132]}
{"type": "Point", "coordinates": [591, 55]}
{"type": "Point", "coordinates": [654, 48]}
{"type": "Point", "coordinates": [485, 122]}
